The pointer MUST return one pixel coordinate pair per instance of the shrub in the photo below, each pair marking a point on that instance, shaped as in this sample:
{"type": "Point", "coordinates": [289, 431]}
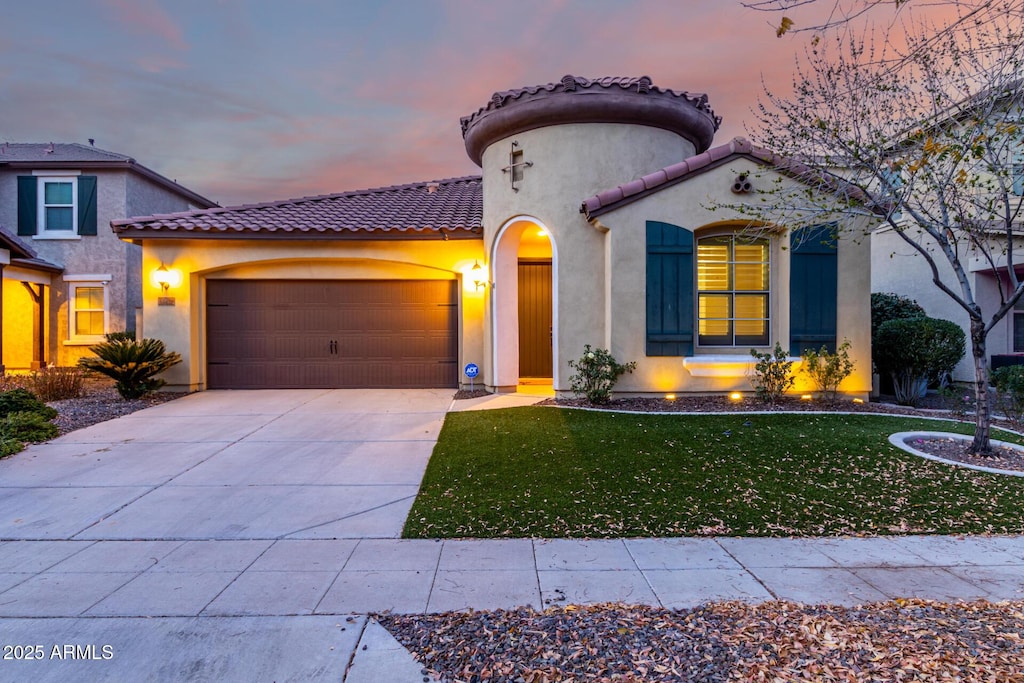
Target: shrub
{"type": "Point", "coordinates": [24, 401]}
{"type": "Point", "coordinates": [828, 370]}
{"type": "Point", "coordinates": [133, 365]}
{"type": "Point", "coordinates": [26, 427]}
{"type": "Point", "coordinates": [597, 371]}
{"type": "Point", "coordinates": [56, 383]}
{"type": "Point", "coordinates": [1009, 383]}
{"type": "Point", "coordinates": [772, 374]}
{"type": "Point", "coordinates": [914, 351]}
{"type": "Point", "coordinates": [886, 306]}
{"type": "Point", "coordinates": [127, 335]}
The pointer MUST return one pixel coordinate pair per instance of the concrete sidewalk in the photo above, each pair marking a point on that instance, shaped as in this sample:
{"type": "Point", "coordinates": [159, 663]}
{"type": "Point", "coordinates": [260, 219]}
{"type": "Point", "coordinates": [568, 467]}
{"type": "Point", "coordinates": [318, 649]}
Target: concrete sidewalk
{"type": "Point", "coordinates": [206, 607]}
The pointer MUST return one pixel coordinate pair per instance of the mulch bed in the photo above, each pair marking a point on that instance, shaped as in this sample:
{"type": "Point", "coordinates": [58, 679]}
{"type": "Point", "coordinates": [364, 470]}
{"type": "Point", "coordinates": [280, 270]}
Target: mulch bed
{"type": "Point", "coordinates": [900, 640]}
{"type": "Point", "coordinates": [718, 404]}
{"type": "Point", "coordinates": [1002, 458]}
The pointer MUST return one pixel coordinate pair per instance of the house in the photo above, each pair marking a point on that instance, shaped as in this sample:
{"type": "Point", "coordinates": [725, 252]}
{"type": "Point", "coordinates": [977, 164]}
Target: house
{"type": "Point", "coordinates": [593, 222]}
{"type": "Point", "coordinates": [67, 283]}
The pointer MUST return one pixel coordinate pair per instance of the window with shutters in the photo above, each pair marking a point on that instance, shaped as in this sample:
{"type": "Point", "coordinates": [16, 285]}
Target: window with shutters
{"type": "Point", "coordinates": [732, 291]}
{"type": "Point", "coordinates": [57, 205]}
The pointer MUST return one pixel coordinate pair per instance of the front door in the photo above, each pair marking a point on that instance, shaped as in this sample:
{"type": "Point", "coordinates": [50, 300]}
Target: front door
{"type": "Point", "coordinates": [535, 360]}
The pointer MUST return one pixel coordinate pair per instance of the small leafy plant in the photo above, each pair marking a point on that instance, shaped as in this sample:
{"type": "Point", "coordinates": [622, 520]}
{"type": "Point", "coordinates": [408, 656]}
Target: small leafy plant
{"type": "Point", "coordinates": [597, 371]}
{"type": "Point", "coordinates": [133, 365]}
{"type": "Point", "coordinates": [827, 369]}
{"type": "Point", "coordinates": [772, 375]}
{"type": "Point", "coordinates": [1009, 383]}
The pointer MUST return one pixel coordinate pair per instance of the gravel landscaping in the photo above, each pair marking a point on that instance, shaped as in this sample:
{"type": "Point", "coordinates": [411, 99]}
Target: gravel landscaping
{"type": "Point", "coordinates": [99, 403]}
{"type": "Point", "coordinates": [900, 640]}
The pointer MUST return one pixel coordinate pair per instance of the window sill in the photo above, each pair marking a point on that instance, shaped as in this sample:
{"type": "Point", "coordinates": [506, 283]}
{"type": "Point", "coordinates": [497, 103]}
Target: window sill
{"type": "Point", "coordinates": [56, 237]}
{"type": "Point", "coordinates": [84, 342]}
{"type": "Point", "coordinates": [726, 366]}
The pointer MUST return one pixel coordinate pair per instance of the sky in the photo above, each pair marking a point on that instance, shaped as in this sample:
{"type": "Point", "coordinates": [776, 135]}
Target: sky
{"type": "Point", "coordinates": [248, 101]}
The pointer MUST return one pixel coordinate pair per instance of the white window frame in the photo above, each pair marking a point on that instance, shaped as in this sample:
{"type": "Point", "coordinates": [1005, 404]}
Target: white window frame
{"type": "Point", "coordinates": [74, 283]}
{"type": "Point", "coordinates": [60, 177]}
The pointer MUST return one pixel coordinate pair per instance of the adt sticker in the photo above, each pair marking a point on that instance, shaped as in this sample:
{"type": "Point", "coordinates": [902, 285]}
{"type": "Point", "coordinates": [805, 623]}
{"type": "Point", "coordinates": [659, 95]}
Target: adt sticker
{"type": "Point", "coordinates": [472, 370]}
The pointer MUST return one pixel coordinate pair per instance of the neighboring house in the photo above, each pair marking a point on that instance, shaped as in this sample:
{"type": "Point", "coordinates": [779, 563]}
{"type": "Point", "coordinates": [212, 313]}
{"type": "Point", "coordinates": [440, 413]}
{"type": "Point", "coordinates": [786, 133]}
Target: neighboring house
{"type": "Point", "coordinates": [592, 223]}
{"type": "Point", "coordinates": [84, 281]}
{"type": "Point", "coordinates": [992, 202]}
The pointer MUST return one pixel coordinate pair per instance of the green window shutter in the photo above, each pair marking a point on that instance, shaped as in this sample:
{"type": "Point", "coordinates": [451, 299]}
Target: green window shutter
{"type": "Point", "coordinates": [813, 286]}
{"type": "Point", "coordinates": [87, 205]}
{"type": "Point", "coordinates": [27, 205]}
{"type": "Point", "coordinates": [669, 290]}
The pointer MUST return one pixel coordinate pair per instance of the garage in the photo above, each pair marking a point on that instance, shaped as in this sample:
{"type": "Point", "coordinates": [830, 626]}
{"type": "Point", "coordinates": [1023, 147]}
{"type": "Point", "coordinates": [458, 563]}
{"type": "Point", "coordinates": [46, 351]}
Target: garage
{"type": "Point", "coordinates": [331, 334]}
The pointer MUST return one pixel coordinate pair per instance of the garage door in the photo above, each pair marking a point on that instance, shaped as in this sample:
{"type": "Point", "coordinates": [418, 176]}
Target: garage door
{"type": "Point", "coordinates": [282, 334]}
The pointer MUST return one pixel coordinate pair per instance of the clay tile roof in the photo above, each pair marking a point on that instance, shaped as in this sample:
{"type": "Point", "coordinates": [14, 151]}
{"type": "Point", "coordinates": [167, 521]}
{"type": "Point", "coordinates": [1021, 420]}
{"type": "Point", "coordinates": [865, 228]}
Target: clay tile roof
{"type": "Point", "coordinates": [573, 99]}
{"type": "Point", "coordinates": [453, 207]}
{"type": "Point", "coordinates": [616, 197]}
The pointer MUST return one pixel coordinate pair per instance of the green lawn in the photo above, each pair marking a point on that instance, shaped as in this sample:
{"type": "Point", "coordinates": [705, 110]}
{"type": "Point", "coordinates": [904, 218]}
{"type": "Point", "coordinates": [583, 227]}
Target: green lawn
{"type": "Point", "coordinates": [544, 472]}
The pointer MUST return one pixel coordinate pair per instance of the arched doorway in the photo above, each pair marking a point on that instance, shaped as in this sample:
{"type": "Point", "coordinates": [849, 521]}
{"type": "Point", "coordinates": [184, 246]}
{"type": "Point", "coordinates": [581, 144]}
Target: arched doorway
{"type": "Point", "coordinates": [524, 310]}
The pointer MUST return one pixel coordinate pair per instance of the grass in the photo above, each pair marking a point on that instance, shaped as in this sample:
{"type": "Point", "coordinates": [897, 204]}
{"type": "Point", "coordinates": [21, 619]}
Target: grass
{"type": "Point", "coordinates": [543, 472]}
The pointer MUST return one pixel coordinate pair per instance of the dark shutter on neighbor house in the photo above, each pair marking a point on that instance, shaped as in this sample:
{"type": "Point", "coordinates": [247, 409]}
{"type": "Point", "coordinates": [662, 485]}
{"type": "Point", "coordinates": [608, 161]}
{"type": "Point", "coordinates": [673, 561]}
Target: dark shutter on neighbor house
{"type": "Point", "coordinates": [87, 205]}
{"type": "Point", "coordinates": [27, 222]}
{"type": "Point", "coordinates": [812, 289]}
{"type": "Point", "coordinates": [669, 290]}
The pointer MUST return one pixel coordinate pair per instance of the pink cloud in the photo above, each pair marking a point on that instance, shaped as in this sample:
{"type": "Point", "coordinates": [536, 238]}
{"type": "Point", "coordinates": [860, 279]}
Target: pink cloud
{"type": "Point", "coordinates": [148, 19]}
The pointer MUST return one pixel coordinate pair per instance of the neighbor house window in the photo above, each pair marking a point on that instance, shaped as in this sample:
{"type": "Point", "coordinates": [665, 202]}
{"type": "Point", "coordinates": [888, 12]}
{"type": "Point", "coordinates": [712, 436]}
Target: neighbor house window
{"type": "Point", "coordinates": [87, 308]}
{"type": "Point", "coordinates": [58, 207]}
{"type": "Point", "coordinates": [732, 291]}
{"type": "Point", "coordinates": [1018, 326]}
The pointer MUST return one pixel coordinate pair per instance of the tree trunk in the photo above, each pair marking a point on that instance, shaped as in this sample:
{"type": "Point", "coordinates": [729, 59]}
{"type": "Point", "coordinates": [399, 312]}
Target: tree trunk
{"type": "Point", "coordinates": [983, 413]}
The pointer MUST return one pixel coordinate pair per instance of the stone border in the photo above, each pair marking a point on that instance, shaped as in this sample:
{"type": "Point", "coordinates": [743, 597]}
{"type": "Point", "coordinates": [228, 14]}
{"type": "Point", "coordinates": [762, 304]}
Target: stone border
{"type": "Point", "coordinates": [900, 439]}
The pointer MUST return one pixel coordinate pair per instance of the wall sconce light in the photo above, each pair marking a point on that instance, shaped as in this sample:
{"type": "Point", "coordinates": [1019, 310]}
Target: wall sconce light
{"type": "Point", "coordinates": [162, 277]}
{"type": "Point", "coordinates": [478, 275]}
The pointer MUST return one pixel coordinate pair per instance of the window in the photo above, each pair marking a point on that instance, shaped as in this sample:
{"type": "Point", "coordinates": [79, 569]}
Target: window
{"type": "Point", "coordinates": [1017, 170]}
{"type": "Point", "coordinates": [87, 307]}
{"type": "Point", "coordinates": [57, 205]}
{"type": "Point", "coordinates": [1018, 326]}
{"type": "Point", "coordinates": [732, 291]}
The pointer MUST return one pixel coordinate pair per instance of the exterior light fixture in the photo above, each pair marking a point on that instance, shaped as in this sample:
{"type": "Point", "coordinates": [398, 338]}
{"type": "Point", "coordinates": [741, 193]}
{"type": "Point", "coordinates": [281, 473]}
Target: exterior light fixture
{"type": "Point", "coordinates": [806, 397]}
{"type": "Point", "coordinates": [162, 277]}
{"type": "Point", "coordinates": [670, 397]}
{"type": "Point", "coordinates": [735, 396]}
{"type": "Point", "coordinates": [858, 400]}
{"type": "Point", "coordinates": [478, 274]}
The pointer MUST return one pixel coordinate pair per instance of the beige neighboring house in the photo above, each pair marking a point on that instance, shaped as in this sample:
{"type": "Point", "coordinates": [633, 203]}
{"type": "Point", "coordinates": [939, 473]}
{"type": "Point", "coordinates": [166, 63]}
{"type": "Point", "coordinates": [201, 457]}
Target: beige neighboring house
{"type": "Point", "coordinates": [65, 282]}
{"type": "Point", "coordinates": [589, 224]}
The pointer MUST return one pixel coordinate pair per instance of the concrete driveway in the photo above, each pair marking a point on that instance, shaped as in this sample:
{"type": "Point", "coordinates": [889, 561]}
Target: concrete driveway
{"type": "Point", "coordinates": [230, 465]}
{"type": "Point", "coordinates": [196, 540]}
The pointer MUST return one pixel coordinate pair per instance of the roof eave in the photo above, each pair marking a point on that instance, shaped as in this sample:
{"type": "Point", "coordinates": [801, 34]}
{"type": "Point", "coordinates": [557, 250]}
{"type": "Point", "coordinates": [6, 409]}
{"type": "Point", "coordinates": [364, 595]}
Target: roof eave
{"type": "Point", "coordinates": [125, 164]}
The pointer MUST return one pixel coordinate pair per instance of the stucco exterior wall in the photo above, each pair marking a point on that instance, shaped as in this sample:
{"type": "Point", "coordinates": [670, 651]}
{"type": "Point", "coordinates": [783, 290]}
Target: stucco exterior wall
{"type": "Point", "coordinates": [119, 194]}
{"type": "Point", "coordinates": [569, 163]}
{"type": "Point", "coordinates": [689, 205]}
{"type": "Point", "coordinates": [897, 267]}
{"type": "Point", "coordinates": [182, 326]}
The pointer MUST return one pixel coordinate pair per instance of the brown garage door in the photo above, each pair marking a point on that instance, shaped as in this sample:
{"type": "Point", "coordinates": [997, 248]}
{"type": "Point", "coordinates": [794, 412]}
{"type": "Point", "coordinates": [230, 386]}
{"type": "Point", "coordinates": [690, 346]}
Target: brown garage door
{"type": "Point", "coordinates": [282, 334]}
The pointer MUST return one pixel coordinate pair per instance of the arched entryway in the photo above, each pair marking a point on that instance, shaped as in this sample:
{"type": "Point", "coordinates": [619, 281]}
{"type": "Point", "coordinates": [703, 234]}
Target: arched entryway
{"type": "Point", "coordinates": [524, 309]}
